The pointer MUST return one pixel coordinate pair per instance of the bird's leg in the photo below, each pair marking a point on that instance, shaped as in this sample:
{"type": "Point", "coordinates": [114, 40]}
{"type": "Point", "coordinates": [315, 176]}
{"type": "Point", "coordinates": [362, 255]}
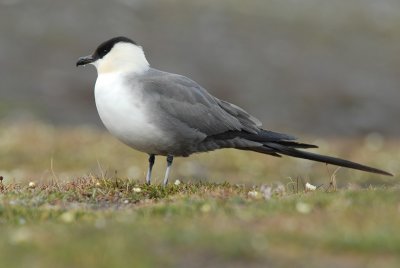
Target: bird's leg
{"type": "Point", "coordinates": [170, 158]}
{"type": "Point", "coordinates": [151, 163]}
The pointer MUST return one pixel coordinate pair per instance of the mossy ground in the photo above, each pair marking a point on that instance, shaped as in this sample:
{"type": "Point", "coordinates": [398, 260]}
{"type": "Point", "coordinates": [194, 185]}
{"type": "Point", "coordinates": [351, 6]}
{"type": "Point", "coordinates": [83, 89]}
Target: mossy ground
{"type": "Point", "coordinates": [88, 206]}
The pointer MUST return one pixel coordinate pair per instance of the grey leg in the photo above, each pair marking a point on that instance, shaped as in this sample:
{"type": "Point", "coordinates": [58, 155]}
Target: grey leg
{"type": "Point", "coordinates": [151, 163]}
{"type": "Point", "coordinates": [170, 158]}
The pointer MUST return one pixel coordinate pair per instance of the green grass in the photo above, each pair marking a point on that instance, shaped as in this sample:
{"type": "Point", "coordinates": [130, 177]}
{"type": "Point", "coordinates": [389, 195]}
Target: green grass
{"type": "Point", "coordinates": [104, 223]}
{"type": "Point", "coordinates": [88, 206]}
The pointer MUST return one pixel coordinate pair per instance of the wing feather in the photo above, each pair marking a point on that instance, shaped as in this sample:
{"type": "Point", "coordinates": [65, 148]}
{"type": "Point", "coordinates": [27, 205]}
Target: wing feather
{"type": "Point", "coordinates": [186, 102]}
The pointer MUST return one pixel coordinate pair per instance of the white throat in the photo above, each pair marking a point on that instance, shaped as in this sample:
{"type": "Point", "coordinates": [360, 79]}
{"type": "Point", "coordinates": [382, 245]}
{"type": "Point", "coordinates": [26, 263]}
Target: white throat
{"type": "Point", "coordinates": [123, 57]}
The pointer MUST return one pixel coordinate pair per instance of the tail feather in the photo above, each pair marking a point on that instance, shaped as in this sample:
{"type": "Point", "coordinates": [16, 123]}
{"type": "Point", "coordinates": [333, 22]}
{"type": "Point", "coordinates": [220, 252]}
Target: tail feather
{"type": "Point", "coordinates": [294, 144]}
{"type": "Point", "coordinates": [277, 144]}
{"type": "Point", "coordinates": [281, 149]}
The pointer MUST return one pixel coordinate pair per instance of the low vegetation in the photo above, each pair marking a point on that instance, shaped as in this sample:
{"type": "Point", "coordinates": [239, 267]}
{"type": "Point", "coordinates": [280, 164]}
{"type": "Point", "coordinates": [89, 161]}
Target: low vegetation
{"type": "Point", "coordinates": [76, 198]}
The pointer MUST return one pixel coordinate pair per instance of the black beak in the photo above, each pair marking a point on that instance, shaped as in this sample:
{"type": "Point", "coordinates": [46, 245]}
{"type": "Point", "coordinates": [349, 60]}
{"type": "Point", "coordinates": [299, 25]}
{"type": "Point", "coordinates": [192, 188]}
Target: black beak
{"type": "Point", "coordinates": [85, 60]}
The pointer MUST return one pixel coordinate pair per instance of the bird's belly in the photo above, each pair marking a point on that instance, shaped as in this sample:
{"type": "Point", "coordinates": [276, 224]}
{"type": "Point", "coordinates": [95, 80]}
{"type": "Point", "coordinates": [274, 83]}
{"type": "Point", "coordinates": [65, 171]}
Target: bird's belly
{"type": "Point", "coordinates": [125, 116]}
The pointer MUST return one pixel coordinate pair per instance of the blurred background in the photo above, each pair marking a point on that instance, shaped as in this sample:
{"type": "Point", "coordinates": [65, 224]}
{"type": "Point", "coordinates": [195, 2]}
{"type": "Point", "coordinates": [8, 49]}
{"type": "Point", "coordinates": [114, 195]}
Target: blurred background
{"type": "Point", "coordinates": [316, 68]}
{"type": "Point", "coordinates": [327, 71]}
{"type": "Point", "coordinates": [303, 66]}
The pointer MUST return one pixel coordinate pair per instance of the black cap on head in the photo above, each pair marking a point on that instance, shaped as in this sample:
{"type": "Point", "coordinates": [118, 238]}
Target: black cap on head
{"type": "Point", "coordinates": [105, 47]}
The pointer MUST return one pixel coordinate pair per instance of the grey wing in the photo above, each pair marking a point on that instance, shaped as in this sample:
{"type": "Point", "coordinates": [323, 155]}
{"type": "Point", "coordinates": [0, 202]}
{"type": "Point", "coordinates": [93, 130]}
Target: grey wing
{"type": "Point", "coordinates": [190, 105]}
{"type": "Point", "coordinates": [196, 121]}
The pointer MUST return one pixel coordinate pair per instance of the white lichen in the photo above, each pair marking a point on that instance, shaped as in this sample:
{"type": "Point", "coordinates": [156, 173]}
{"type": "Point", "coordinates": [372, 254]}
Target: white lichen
{"type": "Point", "coordinates": [254, 194]}
{"type": "Point", "coordinates": [310, 187]}
{"type": "Point", "coordinates": [137, 189]}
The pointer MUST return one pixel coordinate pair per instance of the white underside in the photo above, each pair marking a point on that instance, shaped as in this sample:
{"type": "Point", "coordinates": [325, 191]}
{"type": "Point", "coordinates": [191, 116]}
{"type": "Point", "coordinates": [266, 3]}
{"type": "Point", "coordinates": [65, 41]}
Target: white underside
{"type": "Point", "coordinates": [123, 113]}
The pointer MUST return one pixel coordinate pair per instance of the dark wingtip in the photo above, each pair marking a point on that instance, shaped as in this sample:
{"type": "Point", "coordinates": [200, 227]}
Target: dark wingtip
{"type": "Point", "coordinates": [386, 173]}
{"type": "Point", "coordinates": [282, 149]}
{"type": "Point", "coordinates": [374, 170]}
{"type": "Point", "coordinates": [294, 144]}
{"type": "Point", "coordinates": [377, 171]}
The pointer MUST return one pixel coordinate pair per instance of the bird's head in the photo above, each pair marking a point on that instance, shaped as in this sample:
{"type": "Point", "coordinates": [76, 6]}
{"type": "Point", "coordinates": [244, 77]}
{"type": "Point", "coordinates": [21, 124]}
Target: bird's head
{"type": "Point", "coordinates": [116, 55]}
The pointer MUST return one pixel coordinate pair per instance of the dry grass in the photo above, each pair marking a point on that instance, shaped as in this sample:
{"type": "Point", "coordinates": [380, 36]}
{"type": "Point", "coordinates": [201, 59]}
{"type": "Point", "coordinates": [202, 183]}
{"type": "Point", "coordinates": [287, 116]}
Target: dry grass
{"type": "Point", "coordinates": [62, 204]}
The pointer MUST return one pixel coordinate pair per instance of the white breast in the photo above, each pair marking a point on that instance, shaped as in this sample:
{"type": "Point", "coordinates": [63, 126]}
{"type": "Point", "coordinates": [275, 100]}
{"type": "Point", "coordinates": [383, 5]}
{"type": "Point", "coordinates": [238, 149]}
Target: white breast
{"type": "Point", "coordinates": [124, 114]}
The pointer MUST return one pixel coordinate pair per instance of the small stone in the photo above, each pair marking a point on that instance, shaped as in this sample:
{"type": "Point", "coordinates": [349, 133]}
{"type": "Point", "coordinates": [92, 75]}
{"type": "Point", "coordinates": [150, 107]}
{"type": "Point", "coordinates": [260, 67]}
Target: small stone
{"type": "Point", "coordinates": [310, 187]}
{"type": "Point", "coordinates": [266, 191]}
{"type": "Point", "coordinates": [32, 184]}
{"type": "Point", "coordinates": [137, 189]}
{"type": "Point", "coordinates": [253, 194]}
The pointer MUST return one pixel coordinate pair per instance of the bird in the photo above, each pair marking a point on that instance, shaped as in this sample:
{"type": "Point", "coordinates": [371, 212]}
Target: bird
{"type": "Point", "coordinates": [166, 114]}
